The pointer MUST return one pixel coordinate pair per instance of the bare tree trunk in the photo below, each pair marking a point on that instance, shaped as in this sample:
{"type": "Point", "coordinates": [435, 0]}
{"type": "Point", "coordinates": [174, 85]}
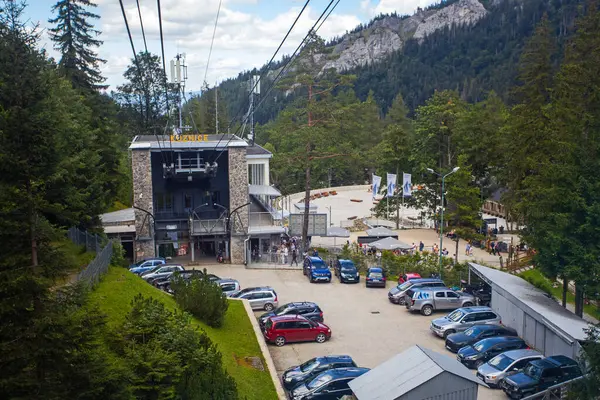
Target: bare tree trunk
{"type": "Point", "coordinates": [306, 209]}
{"type": "Point", "coordinates": [578, 300]}
{"type": "Point", "coordinates": [398, 200]}
{"type": "Point", "coordinates": [564, 292]}
{"type": "Point", "coordinates": [456, 254]}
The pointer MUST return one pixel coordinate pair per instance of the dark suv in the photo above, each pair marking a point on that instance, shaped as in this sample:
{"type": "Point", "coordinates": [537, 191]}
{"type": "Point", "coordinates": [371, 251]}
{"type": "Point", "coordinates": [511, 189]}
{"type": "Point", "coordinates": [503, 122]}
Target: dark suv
{"type": "Point", "coordinates": [456, 341]}
{"type": "Point", "coordinates": [396, 294]}
{"type": "Point", "coordinates": [486, 349]}
{"type": "Point", "coordinates": [306, 309]}
{"type": "Point", "coordinates": [346, 271]}
{"type": "Point", "coordinates": [316, 269]}
{"type": "Point", "coordinates": [539, 375]}
{"type": "Point", "coordinates": [313, 367]}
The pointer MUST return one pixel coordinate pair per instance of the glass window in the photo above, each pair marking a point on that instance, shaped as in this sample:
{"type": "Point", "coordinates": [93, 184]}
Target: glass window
{"type": "Point", "coordinates": [473, 332]}
{"type": "Point", "coordinates": [187, 201]}
{"type": "Point", "coordinates": [455, 315]}
{"type": "Point", "coordinates": [405, 285]}
{"type": "Point", "coordinates": [533, 371]}
{"type": "Point", "coordinates": [440, 294]}
{"type": "Point", "coordinates": [481, 316]}
{"type": "Point", "coordinates": [319, 381]}
{"type": "Point", "coordinates": [338, 385]}
{"type": "Point", "coordinates": [228, 287]}
{"type": "Point", "coordinates": [552, 372]}
{"type": "Point", "coordinates": [303, 325]}
{"type": "Point", "coordinates": [469, 318]}
{"type": "Point", "coordinates": [452, 295]}
{"type": "Point", "coordinates": [309, 365]}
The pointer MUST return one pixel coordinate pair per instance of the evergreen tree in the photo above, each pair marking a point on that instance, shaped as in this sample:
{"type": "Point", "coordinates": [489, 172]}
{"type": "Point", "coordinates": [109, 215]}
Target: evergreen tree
{"type": "Point", "coordinates": [75, 38]}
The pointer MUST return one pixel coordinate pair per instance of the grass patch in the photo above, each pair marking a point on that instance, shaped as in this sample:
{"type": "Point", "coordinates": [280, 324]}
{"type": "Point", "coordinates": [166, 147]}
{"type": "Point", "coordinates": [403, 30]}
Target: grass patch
{"type": "Point", "coordinates": [539, 280]}
{"type": "Point", "coordinates": [235, 339]}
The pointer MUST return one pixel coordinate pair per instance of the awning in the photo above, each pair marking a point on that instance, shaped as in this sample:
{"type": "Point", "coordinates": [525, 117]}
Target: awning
{"type": "Point", "coordinates": [390, 243]}
{"type": "Point", "coordinates": [267, 190]}
{"type": "Point", "coordinates": [336, 231]}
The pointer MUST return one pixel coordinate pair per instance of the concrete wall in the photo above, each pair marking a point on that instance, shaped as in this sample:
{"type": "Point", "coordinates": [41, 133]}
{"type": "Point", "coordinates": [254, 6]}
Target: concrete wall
{"type": "Point", "coordinates": [142, 198]}
{"type": "Point", "coordinates": [238, 196]}
{"type": "Point", "coordinates": [445, 386]}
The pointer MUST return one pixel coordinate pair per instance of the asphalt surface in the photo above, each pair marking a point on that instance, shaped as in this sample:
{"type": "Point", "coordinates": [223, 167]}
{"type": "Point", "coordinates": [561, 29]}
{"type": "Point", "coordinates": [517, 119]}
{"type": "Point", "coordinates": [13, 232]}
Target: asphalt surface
{"type": "Point", "coordinates": [364, 324]}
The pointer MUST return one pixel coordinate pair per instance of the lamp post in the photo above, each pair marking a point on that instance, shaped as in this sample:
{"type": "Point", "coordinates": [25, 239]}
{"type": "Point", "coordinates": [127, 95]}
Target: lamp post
{"type": "Point", "coordinates": [330, 220]}
{"type": "Point", "coordinates": [442, 210]}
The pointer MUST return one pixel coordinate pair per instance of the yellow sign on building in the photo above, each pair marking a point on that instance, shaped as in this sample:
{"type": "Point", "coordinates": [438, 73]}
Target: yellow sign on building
{"type": "Point", "coordinates": [189, 138]}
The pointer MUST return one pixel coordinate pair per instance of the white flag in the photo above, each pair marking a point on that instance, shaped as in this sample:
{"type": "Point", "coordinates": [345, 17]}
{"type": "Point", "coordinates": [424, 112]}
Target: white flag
{"type": "Point", "coordinates": [376, 184]}
{"type": "Point", "coordinates": [406, 185]}
{"type": "Point", "coordinates": [391, 184]}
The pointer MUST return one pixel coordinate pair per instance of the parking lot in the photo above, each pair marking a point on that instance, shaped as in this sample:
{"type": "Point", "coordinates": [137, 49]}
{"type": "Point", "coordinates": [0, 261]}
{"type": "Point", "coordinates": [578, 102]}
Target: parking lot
{"type": "Point", "coordinates": [364, 324]}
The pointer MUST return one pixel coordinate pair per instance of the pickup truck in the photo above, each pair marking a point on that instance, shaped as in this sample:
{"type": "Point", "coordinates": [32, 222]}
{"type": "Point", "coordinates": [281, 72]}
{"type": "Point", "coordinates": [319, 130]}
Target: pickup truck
{"type": "Point", "coordinates": [432, 299]}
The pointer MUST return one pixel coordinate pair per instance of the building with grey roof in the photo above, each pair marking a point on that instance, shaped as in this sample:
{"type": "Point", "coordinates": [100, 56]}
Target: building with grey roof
{"type": "Point", "coordinates": [538, 318]}
{"type": "Point", "coordinates": [417, 374]}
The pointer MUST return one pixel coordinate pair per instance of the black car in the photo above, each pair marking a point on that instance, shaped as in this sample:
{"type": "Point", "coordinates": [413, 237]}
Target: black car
{"type": "Point", "coordinates": [165, 284]}
{"type": "Point", "coordinates": [456, 341]}
{"type": "Point", "coordinates": [307, 371]}
{"type": "Point", "coordinates": [346, 271]}
{"type": "Point", "coordinates": [331, 384]}
{"type": "Point", "coordinates": [486, 349]}
{"type": "Point", "coordinates": [539, 375]}
{"type": "Point", "coordinates": [306, 309]}
{"type": "Point", "coordinates": [375, 277]}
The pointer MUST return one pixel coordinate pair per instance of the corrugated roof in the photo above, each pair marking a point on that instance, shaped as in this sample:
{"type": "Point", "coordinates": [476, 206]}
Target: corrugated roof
{"type": "Point", "coordinates": [117, 217]}
{"type": "Point", "coordinates": [405, 372]}
{"type": "Point", "coordinates": [549, 311]}
{"type": "Point", "coordinates": [257, 150]}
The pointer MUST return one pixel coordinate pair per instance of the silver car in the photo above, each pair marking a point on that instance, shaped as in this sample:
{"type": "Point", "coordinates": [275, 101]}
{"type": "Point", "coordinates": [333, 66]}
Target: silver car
{"type": "Point", "coordinates": [428, 300]}
{"type": "Point", "coordinates": [260, 298]}
{"type": "Point", "coordinates": [462, 319]}
{"type": "Point", "coordinates": [228, 286]}
{"type": "Point", "coordinates": [162, 273]}
{"type": "Point", "coordinates": [496, 369]}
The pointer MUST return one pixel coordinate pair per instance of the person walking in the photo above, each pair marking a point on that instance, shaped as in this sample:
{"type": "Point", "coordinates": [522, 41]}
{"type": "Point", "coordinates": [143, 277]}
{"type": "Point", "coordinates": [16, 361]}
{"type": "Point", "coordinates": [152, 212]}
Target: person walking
{"type": "Point", "coordinates": [294, 257]}
{"type": "Point", "coordinates": [467, 249]}
{"type": "Point", "coordinates": [421, 246]}
{"type": "Point", "coordinates": [493, 247]}
{"type": "Point", "coordinates": [286, 252]}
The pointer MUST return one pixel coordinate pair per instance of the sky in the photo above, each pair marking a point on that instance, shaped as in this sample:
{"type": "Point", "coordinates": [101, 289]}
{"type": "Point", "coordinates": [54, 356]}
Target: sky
{"type": "Point", "coordinates": [247, 35]}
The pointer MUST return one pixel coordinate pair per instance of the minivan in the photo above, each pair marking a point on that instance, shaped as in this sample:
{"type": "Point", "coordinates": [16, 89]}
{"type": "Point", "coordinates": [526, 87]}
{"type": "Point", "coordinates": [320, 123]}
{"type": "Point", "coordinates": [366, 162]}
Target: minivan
{"type": "Point", "coordinates": [396, 294]}
{"type": "Point", "coordinates": [462, 319]}
{"type": "Point", "coordinates": [316, 270]}
{"type": "Point", "coordinates": [260, 298]}
{"type": "Point", "coordinates": [284, 329]}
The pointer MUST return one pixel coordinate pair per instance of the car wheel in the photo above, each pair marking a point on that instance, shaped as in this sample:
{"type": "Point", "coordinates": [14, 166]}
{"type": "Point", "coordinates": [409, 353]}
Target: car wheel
{"type": "Point", "coordinates": [448, 333]}
{"type": "Point", "coordinates": [269, 307]}
{"type": "Point", "coordinates": [427, 311]}
{"type": "Point", "coordinates": [321, 338]}
{"type": "Point", "coordinates": [401, 301]}
{"type": "Point", "coordinates": [467, 304]}
{"type": "Point", "coordinates": [279, 341]}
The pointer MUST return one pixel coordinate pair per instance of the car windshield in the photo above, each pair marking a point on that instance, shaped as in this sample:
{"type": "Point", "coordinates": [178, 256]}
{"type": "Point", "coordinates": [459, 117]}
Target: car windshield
{"type": "Point", "coordinates": [242, 292]}
{"type": "Point", "coordinates": [309, 365]}
{"type": "Point", "coordinates": [283, 309]}
{"type": "Point", "coordinates": [455, 315]}
{"type": "Point", "coordinates": [376, 275]}
{"type": "Point", "coordinates": [319, 381]}
{"type": "Point", "coordinates": [404, 285]}
{"type": "Point", "coordinates": [318, 265]}
{"type": "Point", "coordinates": [501, 362]}
{"type": "Point", "coordinates": [137, 264]}
{"type": "Point", "coordinates": [481, 346]}
{"type": "Point", "coordinates": [348, 268]}
{"type": "Point", "coordinates": [473, 332]}
{"type": "Point", "coordinates": [533, 371]}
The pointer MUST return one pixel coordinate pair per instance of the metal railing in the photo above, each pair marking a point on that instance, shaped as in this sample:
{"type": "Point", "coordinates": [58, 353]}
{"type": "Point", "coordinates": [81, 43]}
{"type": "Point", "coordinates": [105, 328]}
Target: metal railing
{"type": "Point", "coordinates": [99, 265]}
{"type": "Point", "coordinates": [559, 391]}
{"type": "Point", "coordinates": [209, 227]}
{"type": "Point", "coordinates": [92, 242]}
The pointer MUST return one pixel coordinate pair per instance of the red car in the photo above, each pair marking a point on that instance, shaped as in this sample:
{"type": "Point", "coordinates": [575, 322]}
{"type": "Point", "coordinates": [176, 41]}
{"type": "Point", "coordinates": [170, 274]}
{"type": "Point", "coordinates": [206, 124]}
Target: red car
{"type": "Point", "coordinates": [294, 328]}
{"type": "Point", "coordinates": [408, 277]}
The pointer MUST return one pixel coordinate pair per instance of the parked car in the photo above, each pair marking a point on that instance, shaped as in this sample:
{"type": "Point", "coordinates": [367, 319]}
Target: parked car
{"type": "Point", "coordinates": [304, 308]}
{"type": "Point", "coordinates": [146, 265]}
{"type": "Point", "coordinates": [408, 276]}
{"type": "Point", "coordinates": [294, 328]}
{"type": "Point", "coordinates": [539, 375]}
{"type": "Point", "coordinates": [396, 294]}
{"type": "Point", "coordinates": [375, 277]}
{"type": "Point", "coordinates": [456, 341]}
{"type": "Point", "coordinates": [486, 349]}
{"type": "Point", "coordinates": [496, 369]}
{"type": "Point", "coordinates": [316, 269]}
{"type": "Point", "coordinates": [346, 271]}
{"type": "Point", "coordinates": [162, 272]}
{"type": "Point", "coordinates": [305, 372]}
{"type": "Point", "coordinates": [165, 283]}
{"type": "Point", "coordinates": [462, 319]}
{"type": "Point", "coordinates": [228, 286]}
{"type": "Point", "coordinates": [428, 300]}
{"type": "Point", "coordinates": [260, 298]}
{"type": "Point", "coordinates": [332, 384]}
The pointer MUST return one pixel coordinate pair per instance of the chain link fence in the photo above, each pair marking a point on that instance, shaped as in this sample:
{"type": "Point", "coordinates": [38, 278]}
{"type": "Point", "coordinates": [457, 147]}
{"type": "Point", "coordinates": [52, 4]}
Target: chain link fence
{"type": "Point", "coordinates": [99, 265]}
{"type": "Point", "coordinates": [92, 241]}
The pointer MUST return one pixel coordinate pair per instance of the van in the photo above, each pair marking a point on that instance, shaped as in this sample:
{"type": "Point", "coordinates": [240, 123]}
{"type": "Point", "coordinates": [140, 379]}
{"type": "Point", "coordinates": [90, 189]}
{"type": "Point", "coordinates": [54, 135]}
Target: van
{"type": "Point", "coordinates": [396, 294]}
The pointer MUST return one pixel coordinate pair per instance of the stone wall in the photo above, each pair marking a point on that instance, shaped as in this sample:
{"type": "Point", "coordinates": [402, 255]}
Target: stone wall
{"type": "Point", "coordinates": [142, 198]}
{"type": "Point", "coordinates": [238, 196]}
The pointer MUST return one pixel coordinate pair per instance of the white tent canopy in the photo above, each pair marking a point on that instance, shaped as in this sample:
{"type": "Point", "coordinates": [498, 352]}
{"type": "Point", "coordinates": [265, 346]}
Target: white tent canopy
{"type": "Point", "coordinates": [390, 243]}
{"type": "Point", "coordinates": [381, 232]}
{"type": "Point", "coordinates": [336, 231]}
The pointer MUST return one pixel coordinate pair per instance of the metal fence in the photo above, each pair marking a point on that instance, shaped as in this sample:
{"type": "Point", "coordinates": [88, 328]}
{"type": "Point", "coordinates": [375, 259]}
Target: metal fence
{"type": "Point", "coordinates": [99, 265]}
{"type": "Point", "coordinates": [91, 241]}
{"type": "Point", "coordinates": [556, 392]}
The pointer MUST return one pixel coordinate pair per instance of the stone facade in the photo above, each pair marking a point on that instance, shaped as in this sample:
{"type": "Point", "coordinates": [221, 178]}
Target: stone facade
{"type": "Point", "coordinates": [238, 196]}
{"type": "Point", "coordinates": [142, 198]}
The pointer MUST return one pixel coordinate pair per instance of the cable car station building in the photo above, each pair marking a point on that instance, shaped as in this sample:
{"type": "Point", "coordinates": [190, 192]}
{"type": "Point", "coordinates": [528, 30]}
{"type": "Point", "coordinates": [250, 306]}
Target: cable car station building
{"type": "Point", "coordinates": [196, 195]}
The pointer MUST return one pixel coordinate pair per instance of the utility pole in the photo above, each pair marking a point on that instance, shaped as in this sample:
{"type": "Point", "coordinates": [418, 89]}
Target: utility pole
{"type": "Point", "coordinates": [179, 76]}
{"type": "Point", "coordinates": [216, 109]}
{"type": "Point", "coordinates": [307, 182]}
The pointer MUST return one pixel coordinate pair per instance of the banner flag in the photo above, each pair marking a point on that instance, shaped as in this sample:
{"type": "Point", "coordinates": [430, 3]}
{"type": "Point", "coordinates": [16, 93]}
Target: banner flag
{"type": "Point", "coordinates": [391, 185]}
{"type": "Point", "coordinates": [376, 185]}
{"type": "Point", "coordinates": [406, 185]}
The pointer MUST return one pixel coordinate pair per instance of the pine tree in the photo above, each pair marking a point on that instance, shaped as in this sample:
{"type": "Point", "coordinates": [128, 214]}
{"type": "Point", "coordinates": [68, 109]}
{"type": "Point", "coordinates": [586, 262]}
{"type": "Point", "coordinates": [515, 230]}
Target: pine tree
{"type": "Point", "coordinates": [75, 38]}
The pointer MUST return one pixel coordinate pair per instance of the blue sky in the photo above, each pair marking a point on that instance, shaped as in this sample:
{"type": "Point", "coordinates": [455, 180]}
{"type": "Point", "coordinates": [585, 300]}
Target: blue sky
{"type": "Point", "coordinates": [248, 32]}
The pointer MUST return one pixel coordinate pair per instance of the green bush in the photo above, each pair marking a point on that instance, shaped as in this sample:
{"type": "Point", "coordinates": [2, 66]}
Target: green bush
{"type": "Point", "coordinates": [201, 298]}
{"type": "Point", "coordinates": [538, 280]}
{"type": "Point", "coordinates": [118, 256]}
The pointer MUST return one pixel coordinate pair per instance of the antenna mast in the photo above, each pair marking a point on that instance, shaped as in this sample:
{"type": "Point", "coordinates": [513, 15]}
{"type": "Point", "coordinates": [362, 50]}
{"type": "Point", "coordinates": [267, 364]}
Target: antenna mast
{"type": "Point", "coordinates": [179, 76]}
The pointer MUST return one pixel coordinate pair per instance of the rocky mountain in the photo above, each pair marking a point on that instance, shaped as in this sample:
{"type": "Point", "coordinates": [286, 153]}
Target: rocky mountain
{"type": "Point", "coordinates": [389, 34]}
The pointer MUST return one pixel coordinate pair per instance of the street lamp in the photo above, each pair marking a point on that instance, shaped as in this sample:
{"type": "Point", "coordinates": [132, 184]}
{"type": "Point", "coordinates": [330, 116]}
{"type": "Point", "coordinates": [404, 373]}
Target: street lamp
{"type": "Point", "coordinates": [330, 220]}
{"type": "Point", "coordinates": [442, 211]}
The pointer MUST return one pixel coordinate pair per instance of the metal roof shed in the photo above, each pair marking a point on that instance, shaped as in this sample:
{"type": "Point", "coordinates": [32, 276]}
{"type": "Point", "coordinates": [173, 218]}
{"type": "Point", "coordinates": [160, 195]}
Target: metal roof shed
{"type": "Point", "coordinates": [538, 319]}
{"type": "Point", "coordinates": [416, 374]}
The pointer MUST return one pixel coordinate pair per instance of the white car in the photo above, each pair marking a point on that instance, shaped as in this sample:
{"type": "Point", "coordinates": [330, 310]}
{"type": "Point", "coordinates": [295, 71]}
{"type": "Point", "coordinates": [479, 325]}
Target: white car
{"type": "Point", "coordinates": [161, 273]}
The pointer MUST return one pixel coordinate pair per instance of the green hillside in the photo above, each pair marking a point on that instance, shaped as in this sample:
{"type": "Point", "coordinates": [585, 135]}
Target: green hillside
{"type": "Point", "coordinates": [235, 340]}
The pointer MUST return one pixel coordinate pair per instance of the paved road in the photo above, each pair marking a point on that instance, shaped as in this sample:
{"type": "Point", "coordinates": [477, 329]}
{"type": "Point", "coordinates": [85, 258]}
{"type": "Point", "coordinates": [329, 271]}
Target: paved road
{"type": "Point", "coordinates": [364, 323]}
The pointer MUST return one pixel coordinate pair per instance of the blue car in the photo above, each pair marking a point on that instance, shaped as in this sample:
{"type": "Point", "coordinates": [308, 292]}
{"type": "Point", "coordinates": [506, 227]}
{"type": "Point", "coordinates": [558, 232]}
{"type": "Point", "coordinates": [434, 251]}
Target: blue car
{"type": "Point", "coordinates": [316, 270]}
{"type": "Point", "coordinates": [375, 277]}
{"type": "Point", "coordinates": [146, 265]}
{"type": "Point", "coordinates": [331, 384]}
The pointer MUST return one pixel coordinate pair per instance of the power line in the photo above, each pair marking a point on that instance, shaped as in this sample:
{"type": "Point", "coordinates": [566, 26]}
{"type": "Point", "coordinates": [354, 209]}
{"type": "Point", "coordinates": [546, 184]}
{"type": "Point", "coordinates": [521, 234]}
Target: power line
{"type": "Point", "coordinates": [271, 60]}
{"type": "Point", "coordinates": [162, 49]}
{"type": "Point", "coordinates": [212, 41]}
{"type": "Point", "coordinates": [288, 63]}
{"type": "Point", "coordinates": [142, 25]}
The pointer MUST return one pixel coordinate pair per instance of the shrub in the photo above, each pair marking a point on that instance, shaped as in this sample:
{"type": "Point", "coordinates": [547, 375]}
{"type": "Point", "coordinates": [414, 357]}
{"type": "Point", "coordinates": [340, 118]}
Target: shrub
{"type": "Point", "coordinates": [201, 298]}
{"type": "Point", "coordinates": [538, 280]}
{"type": "Point", "coordinates": [118, 256]}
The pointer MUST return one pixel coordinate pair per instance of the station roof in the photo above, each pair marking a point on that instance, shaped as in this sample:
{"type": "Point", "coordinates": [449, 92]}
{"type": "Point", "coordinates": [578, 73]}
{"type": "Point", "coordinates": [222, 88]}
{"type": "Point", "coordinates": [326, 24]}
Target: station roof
{"type": "Point", "coordinates": [256, 151]}
{"type": "Point", "coordinates": [118, 217]}
{"type": "Point", "coordinates": [545, 309]}
{"type": "Point", "coordinates": [187, 141]}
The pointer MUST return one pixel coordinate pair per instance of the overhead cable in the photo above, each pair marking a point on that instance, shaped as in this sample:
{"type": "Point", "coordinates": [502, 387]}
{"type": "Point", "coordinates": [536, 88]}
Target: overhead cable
{"type": "Point", "coordinates": [212, 41]}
